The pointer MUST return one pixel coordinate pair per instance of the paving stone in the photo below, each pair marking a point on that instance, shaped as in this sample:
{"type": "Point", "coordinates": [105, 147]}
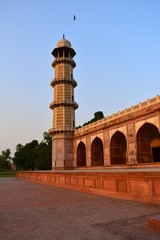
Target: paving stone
{"type": "Point", "coordinates": [34, 211]}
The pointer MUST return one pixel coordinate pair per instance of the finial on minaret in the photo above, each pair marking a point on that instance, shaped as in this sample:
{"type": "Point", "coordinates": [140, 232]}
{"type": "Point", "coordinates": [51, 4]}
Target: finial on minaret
{"type": "Point", "coordinates": [63, 36]}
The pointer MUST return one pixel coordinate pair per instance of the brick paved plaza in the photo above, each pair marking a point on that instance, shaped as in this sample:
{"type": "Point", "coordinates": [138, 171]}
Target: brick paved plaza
{"type": "Point", "coordinates": [34, 211]}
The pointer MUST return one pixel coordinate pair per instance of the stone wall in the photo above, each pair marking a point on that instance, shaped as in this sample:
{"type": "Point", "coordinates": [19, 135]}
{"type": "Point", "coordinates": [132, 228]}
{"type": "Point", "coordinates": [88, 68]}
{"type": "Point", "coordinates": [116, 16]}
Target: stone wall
{"type": "Point", "coordinates": [137, 186]}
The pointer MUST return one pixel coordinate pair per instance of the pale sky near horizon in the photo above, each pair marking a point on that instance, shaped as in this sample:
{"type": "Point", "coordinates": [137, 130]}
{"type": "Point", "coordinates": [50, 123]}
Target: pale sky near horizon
{"type": "Point", "coordinates": [118, 60]}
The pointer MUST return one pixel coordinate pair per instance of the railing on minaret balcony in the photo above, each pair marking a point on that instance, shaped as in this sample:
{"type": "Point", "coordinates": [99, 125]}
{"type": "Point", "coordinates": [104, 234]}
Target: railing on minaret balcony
{"type": "Point", "coordinates": [57, 80]}
{"type": "Point", "coordinates": [64, 60]}
{"type": "Point", "coordinates": [63, 102]}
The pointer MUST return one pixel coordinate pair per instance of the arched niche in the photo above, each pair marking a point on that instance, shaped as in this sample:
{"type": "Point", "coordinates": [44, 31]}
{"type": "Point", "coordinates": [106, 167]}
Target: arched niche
{"type": "Point", "coordinates": [97, 152]}
{"type": "Point", "coordinates": [118, 148]}
{"type": "Point", "coordinates": [81, 154]}
{"type": "Point", "coordinates": [148, 144]}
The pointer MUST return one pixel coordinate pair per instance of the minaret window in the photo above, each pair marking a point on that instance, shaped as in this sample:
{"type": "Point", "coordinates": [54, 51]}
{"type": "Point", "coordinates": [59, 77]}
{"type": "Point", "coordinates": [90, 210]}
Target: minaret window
{"type": "Point", "coordinates": [66, 54]}
{"type": "Point", "coordinates": [60, 53]}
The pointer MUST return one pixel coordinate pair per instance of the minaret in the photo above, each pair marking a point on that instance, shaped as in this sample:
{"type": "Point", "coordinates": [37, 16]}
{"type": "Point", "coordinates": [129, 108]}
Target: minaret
{"type": "Point", "coordinates": [63, 106]}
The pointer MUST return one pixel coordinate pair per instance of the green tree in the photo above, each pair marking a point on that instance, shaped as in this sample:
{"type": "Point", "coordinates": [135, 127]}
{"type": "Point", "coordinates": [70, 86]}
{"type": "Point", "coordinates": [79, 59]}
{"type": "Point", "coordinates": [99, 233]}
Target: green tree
{"type": "Point", "coordinates": [97, 116]}
{"type": "Point", "coordinates": [25, 156]}
{"type": "Point", "coordinates": [44, 153]}
{"type": "Point", "coordinates": [34, 155]}
{"type": "Point", "coordinates": [5, 160]}
{"type": "Point", "coordinates": [19, 157]}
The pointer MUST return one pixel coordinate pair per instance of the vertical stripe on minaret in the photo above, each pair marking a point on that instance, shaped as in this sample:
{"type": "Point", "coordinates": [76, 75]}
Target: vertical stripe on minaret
{"type": "Point", "coordinates": [63, 106]}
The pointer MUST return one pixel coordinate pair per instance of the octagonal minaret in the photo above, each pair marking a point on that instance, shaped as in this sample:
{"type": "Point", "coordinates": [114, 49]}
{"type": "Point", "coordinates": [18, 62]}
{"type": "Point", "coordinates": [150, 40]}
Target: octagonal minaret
{"type": "Point", "coordinates": [63, 105]}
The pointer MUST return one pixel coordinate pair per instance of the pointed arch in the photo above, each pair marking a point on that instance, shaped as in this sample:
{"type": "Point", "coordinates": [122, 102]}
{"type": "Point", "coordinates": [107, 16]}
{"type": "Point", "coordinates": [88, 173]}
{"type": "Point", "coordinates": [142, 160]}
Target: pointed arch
{"type": "Point", "coordinates": [97, 157]}
{"type": "Point", "coordinates": [148, 144]}
{"type": "Point", "coordinates": [154, 121]}
{"type": "Point", "coordinates": [118, 148]}
{"type": "Point", "coordinates": [81, 154]}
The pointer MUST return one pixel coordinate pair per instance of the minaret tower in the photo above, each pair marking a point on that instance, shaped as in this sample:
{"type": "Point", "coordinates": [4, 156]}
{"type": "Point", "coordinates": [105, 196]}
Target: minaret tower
{"type": "Point", "coordinates": [63, 105]}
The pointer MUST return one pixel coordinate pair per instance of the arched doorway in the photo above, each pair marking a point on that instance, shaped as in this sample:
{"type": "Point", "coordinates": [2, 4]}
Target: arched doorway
{"type": "Point", "coordinates": [148, 144]}
{"type": "Point", "coordinates": [118, 148]}
{"type": "Point", "coordinates": [97, 152]}
{"type": "Point", "coordinates": [81, 154]}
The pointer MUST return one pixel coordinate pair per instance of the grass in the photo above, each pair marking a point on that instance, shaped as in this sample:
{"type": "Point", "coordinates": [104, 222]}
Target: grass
{"type": "Point", "coordinates": [8, 174]}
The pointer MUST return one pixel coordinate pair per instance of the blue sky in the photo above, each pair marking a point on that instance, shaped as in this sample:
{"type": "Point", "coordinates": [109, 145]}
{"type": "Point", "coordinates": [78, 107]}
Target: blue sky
{"type": "Point", "coordinates": [118, 60]}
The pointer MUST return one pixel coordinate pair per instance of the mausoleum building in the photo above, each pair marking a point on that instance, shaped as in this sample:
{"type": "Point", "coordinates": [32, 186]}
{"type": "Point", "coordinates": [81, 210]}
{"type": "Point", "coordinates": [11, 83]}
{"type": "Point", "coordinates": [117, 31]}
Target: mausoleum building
{"type": "Point", "coordinates": [125, 139]}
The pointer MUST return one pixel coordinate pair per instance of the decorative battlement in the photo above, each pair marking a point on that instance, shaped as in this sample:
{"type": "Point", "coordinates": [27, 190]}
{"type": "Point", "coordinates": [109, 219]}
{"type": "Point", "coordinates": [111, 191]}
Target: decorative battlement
{"type": "Point", "coordinates": [146, 104]}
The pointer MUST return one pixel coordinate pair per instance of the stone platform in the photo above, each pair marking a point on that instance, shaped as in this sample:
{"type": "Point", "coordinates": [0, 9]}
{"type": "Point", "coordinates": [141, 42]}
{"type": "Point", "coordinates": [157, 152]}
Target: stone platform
{"type": "Point", "coordinates": [141, 185]}
{"type": "Point", "coordinates": [30, 211]}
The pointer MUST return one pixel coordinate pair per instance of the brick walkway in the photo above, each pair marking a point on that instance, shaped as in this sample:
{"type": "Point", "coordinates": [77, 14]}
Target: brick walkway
{"type": "Point", "coordinates": [34, 211]}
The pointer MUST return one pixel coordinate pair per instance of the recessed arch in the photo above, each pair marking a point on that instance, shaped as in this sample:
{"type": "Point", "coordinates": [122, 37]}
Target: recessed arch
{"type": "Point", "coordinates": [81, 154]}
{"type": "Point", "coordinates": [148, 144]}
{"type": "Point", "coordinates": [97, 152]}
{"type": "Point", "coordinates": [154, 121]}
{"type": "Point", "coordinates": [118, 148]}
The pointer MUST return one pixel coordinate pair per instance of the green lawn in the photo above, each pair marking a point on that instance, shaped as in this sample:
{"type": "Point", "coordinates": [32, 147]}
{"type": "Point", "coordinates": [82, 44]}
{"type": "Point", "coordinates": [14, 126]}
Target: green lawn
{"type": "Point", "coordinates": [7, 174]}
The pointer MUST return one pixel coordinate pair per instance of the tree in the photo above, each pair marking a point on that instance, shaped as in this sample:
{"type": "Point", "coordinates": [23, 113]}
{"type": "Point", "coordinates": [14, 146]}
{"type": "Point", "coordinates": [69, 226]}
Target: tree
{"type": "Point", "coordinates": [34, 155]}
{"type": "Point", "coordinates": [97, 116]}
{"type": "Point", "coordinates": [5, 160]}
{"type": "Point", "coordinates": [47, 138]}
{"type": "Point", "coordinates": [44, 153]}
{"type": "Point", "coordinates": [18, 147]}
{"type": "Point", "coordinates": [25, 156]}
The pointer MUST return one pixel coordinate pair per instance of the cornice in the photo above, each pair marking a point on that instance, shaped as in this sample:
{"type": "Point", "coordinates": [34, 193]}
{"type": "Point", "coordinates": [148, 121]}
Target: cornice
{"type": "Point", "coordinates": [63, 60]}
{"type": "Point", "coordinates": [63, 103]}
{"type": "Point", "coordinates": [56, 81]}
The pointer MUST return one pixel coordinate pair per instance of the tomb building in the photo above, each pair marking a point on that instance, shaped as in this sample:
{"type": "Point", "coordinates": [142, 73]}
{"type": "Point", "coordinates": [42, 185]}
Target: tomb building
{"type": "Point", "coordinates": [125, 139]}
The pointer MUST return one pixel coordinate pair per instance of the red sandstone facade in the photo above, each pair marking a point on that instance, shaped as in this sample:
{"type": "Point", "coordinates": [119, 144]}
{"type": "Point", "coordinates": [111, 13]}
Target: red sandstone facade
{"type": "Point", "coordinates": [137, 186]}
{"type": "Point", "coordinates": [127, 138]}
{"type": "Point", "coordinates": [130, 137]}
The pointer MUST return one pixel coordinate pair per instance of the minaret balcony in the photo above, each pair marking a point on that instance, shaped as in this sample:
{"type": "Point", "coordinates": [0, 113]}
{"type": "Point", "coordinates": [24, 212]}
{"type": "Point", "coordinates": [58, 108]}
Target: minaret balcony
{"type": "Point", "coordinates": [63, 103]}
{"type": "Point", "coordinates": [61, 130]}
{"type": "Point", "coordinates": [63, 80]}
{"type": "Point", "coordinates": [64, 60]}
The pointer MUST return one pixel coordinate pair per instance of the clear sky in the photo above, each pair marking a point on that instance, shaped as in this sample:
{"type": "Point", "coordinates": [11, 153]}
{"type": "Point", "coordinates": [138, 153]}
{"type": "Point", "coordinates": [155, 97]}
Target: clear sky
{"type": "Point", "coordinates": [118, 60]}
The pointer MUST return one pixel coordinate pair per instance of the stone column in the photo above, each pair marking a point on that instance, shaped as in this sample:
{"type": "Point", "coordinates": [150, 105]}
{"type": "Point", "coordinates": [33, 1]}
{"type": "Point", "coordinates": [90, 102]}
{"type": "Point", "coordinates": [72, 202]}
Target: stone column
{"type": "Point", "coordinates": [106, 147]}
{"type": "Point", "coordinates": [88, 151]}
{"type": "Point", "coordinates": [131, 141]}
{"type": "Point", "coordinates": [74, 154]}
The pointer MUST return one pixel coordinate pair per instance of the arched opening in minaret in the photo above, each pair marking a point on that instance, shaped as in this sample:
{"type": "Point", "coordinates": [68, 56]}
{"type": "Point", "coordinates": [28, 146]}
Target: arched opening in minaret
{"type": "Point", "coordinates": [66, 53]}
{"type": "Point", "coordinates": [60, 53]}
{"type": "Point", "coordinates": [148, 144]}
{"type": "Point", "coordinates": [118, 148]}
{"type": "Point", "coordinates": [97, 152]}
{"type": "Point", "coordinates": [81, 154]}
